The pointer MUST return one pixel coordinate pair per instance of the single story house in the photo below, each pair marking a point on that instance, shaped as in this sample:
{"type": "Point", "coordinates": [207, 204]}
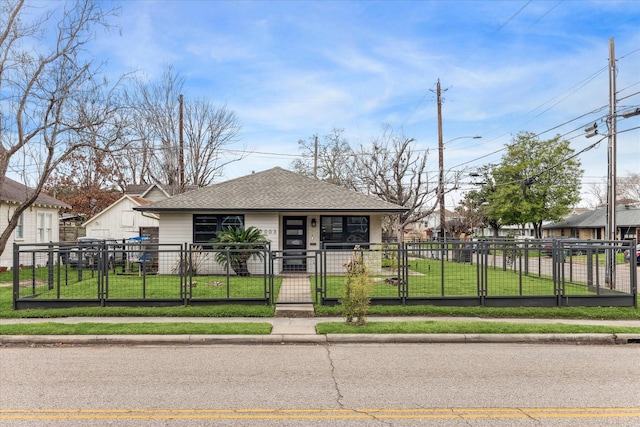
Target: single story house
{"type": "Point", "coordinates": [591, 224]}
{"type": "Point", "coordinates": [38, 224]}
{"type": "Point", "coordinates": [295, 212]}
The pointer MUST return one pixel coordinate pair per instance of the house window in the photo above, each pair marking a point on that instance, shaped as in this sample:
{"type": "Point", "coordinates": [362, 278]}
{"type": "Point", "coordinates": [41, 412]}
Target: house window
{"type": "Point", "coordinates": [20, 228]}
{"type": "Point", "coordinates": [206, 227]}
{"type": "Point", "coordinates": [45, 221]}
{"type": "Point", "coordinates": [344, 229]}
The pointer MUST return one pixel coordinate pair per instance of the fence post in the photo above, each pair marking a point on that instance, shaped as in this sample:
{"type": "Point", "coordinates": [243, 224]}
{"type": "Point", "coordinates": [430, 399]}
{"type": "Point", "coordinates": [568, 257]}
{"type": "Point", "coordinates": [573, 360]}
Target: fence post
{"type": "Point", "coordinates": [443, 251]}
{"type": "Point", "coordinates": [483, 267]}
{"type": "Point", "coordinates": [633, 273]}
{"type": "Point", "coordinates": [50, 266]}
{"type": "Point", "coordinates": [16, 275]}
{"type": "Point", "coordinates": [186, 292]}
{"type": "Point", "coordinates": [103, 261]}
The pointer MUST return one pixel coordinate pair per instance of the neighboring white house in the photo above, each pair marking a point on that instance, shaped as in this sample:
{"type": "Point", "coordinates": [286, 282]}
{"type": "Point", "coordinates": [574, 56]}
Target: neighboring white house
{"type": "Point", "coordinates": [38, 224]}
{"type": "Point", "coordinates": [120, 221]}
{"type": "Point", "coordinates": [296, 213]}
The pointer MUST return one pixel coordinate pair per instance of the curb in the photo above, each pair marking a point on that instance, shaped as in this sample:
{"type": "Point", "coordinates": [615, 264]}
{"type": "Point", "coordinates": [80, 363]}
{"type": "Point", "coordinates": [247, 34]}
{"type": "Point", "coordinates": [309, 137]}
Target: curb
{"type": "Point", "coordinates": [192, 340]}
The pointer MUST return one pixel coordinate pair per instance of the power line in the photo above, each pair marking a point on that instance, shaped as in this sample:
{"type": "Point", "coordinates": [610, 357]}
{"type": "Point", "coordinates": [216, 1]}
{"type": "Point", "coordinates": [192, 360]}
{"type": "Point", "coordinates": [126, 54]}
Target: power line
{"type": "Point", "coordinates": [629, 96]}
{"type": "Point", "coordinates": [512, 17]}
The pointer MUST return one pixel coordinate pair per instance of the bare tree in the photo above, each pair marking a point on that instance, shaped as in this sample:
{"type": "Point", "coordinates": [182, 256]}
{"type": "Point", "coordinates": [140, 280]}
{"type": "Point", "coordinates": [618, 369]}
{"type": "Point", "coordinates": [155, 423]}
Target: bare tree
{"type": "Point", "coordinates": [391, 170]}
{"type": "Point", "coordinates": [155, 109]}
{"type": "Point", "coordinates": [469, 216]}
{"type": "Point", "coordinates": [207, 130]}
{"type": "Point", "coordinates": [329, 158]}
{"type": "Point", "coordinates": [53, 101]}
{"type": "Point", "coordinates": [627, 189]}
{"type": "Point", "coordinates": [599, 192]}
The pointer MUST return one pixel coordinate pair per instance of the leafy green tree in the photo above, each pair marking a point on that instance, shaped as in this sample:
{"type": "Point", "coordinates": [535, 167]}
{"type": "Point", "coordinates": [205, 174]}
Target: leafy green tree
{"type": "Point", "coordinates": [240, 244]}
{"type": "Point", "coordinates": [537, 180]}
{"type": "Point", "coordinates": [476, 204]}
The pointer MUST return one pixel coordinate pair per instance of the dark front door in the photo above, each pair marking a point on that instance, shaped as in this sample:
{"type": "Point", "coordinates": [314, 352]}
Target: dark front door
{"type": "Point", "coordinates": [294, 248]}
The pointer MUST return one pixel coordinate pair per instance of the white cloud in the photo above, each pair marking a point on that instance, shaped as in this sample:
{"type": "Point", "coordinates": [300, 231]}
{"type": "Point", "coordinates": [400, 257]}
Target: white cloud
{"type": "Point", "coordinates": [293, 69]}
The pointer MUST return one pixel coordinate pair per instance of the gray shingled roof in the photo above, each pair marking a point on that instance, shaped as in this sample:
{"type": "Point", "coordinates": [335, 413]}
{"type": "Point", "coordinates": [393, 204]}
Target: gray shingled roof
{"type": "Point", "coordinates": [13, 191]}
{"type": "Point", "coordinates": [275, 189]}
{"type": "Point", "coordinates": [626, 216]}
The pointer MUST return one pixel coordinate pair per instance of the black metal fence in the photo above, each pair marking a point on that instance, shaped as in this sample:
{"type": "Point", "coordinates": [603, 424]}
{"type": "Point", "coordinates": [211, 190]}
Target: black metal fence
{"type": "Point", "coordinates": [139, 274]}
{"type": "Point", "coordinates": [542, 273]}
{"type": "Point", "coordinates": [480, 273]}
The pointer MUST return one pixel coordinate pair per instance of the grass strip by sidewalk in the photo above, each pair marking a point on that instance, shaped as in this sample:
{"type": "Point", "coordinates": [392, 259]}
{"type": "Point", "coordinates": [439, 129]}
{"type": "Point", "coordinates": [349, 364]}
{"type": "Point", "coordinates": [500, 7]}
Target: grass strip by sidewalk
{"type": "Point", "coordinates": [144, 328]}
{"type": "Point", "coordinates": [255, 328]}
{"type": "Point", "coordinates": [611, 313]}
{"type": "Point", "coordinates": [463, 327]}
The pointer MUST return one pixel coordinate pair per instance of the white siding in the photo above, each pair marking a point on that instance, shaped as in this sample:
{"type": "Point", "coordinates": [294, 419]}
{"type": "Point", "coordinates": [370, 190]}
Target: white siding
{"type": "Point", "coordinates": [49, 233]}
{"type": "Point", "coordinates": [268, 223]}
{"type": "Point", "coordinates": [176, 228]}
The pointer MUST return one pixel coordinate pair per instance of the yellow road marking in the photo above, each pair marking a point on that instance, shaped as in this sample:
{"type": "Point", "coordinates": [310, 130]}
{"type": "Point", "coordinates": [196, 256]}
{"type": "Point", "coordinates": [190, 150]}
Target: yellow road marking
{"type": "Point", "coordinates": [417, 413]}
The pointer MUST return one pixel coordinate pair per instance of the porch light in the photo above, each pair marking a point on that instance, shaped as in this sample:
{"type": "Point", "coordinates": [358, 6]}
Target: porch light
{"type": "Point", "coordinates": [313, 223]}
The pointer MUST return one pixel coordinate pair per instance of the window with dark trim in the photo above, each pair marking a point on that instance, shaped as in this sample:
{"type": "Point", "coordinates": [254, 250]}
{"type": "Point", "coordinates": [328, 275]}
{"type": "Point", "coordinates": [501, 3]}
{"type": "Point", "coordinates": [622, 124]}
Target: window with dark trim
{"type": "Point", "coordinates": [207, 226]}
{"type": "Point", "coordinates": [344, 229]}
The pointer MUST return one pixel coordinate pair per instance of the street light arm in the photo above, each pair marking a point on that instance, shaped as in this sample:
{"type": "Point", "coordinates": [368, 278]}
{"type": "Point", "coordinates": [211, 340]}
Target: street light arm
{"type": "Point", "coordinates": [462, 137]}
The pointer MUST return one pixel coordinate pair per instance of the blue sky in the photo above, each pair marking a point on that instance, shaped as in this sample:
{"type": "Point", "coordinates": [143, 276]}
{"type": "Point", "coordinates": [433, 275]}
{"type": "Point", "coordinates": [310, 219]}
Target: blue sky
{"type": "Point", "coordinates": [292, 69]}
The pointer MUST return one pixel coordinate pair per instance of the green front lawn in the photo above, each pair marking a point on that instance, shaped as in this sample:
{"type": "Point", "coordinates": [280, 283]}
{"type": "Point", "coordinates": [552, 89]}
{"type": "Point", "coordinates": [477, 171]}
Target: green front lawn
{"type": "Point", "coordinates": [425, 280]}
{"type": "Point", "coordinates": [462, 275]}
{"type": "Point", "coordinates": [178, 328]}
{"type": "Point", "coordinates": [462, 327]}
{"type": "Point", "coordinates": [66, 285]}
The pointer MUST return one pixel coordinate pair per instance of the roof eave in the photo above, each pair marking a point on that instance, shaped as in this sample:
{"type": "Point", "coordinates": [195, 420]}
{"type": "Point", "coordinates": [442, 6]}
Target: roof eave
{"type": "Point", "coordinates": [323, 210]}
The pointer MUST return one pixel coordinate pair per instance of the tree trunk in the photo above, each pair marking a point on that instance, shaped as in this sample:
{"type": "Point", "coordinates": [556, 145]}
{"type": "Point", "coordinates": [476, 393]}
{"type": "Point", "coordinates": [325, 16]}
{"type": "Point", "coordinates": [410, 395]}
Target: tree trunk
{"type": "Point", "coordinates": [240, 267]}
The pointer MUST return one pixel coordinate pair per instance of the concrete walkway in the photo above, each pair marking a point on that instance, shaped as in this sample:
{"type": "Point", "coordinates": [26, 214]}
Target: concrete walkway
{"type": "Point", "coordinates": [294, 298]}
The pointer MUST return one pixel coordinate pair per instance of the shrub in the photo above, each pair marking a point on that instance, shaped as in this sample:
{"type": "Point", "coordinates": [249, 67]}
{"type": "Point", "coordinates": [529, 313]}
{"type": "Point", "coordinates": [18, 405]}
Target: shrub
{"type": "Point", "coordinates": [357, 288]}
{"type": "Point", "coordinates": [238, 255]}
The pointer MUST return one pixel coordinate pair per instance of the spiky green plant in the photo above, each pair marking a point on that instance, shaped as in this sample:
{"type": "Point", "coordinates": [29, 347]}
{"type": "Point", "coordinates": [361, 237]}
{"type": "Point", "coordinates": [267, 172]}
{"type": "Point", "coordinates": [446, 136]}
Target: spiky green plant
{"type": "Point", "coordinates": [240, 244]}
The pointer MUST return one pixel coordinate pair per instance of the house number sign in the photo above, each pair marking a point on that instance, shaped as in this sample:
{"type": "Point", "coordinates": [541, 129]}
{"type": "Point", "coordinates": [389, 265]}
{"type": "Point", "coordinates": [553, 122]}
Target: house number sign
{"type": "Point", "coordinates": [269, 231]}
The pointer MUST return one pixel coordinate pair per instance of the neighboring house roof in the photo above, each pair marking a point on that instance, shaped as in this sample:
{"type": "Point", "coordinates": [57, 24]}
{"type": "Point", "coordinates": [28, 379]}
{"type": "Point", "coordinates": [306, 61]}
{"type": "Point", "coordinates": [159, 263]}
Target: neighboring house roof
{"type": "Point", "coordinates": [626, 216]}
{"type": "Point", "coordinates": [150, 189]}
{"type": "Point", "coordinates": [138, 201]}
{"type": "Point", "coordinates": [578, 211]}
{"type": "Point", "coordinates": [275, 189]}
{"type": "Point", "coordinates": [14, 192]}
{"type": "Point", "coordinates": [143, 189]}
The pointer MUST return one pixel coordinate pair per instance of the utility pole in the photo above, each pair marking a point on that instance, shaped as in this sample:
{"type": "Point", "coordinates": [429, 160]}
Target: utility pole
{"type": "Point", "coordinates": [181, 149]}
{"type": "Point", "coordinates": [315, 158]}
{"type": "Point", "coordinates": [443, 233]}
{"type": "Point", "coordinates": [611, 173]}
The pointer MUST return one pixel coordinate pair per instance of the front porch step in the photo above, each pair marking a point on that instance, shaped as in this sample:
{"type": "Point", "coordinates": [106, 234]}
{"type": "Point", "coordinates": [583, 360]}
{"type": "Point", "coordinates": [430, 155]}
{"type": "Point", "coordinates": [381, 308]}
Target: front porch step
{"type": "Point", "coordinates": [294, 310]}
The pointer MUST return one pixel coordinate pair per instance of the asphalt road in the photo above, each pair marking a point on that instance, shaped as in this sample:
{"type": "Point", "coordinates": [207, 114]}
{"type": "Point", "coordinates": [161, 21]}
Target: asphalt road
{"type": "Point", "coordinates": [321, 385]}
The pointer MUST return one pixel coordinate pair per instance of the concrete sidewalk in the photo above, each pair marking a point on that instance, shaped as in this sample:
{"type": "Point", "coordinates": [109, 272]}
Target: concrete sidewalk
{"type": "Point", "coordinates": [303, 331]}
